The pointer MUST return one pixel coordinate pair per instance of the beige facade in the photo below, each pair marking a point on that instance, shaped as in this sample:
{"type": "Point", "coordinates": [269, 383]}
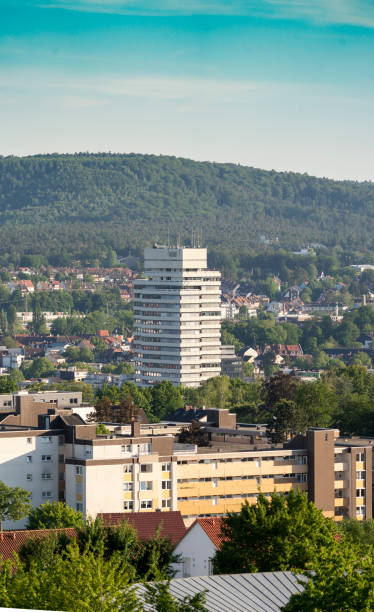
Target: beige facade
{"type": "Point", "coordinates": [144, 470]}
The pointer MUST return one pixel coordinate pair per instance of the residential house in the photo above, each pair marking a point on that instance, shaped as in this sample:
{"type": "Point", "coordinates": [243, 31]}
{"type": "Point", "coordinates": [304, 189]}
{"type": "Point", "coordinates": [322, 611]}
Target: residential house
{"type": "Point", "coordinates": [198, 547]}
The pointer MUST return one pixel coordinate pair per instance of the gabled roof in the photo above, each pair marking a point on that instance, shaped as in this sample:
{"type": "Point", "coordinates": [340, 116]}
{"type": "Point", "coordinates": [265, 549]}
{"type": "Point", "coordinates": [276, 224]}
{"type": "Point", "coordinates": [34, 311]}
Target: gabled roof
{"type": "Point", "coordinates": [146, 523]}
{"type": "Point", "coordinates": [13, 541]}
{"type": "Point", "coordinates": [212, 527]}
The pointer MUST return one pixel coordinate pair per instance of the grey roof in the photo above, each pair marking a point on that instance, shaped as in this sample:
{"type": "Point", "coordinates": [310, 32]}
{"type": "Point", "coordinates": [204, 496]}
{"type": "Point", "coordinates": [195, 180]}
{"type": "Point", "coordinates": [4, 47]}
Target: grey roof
{"type": "Point", "coordinates": [260, 592]}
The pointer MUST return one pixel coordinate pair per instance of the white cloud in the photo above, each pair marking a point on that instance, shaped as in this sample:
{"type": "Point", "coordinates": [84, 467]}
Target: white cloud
{"type": "Point", "coordinates": [352, 12]}
{"type": "Point", "coordinates": [78, 91]}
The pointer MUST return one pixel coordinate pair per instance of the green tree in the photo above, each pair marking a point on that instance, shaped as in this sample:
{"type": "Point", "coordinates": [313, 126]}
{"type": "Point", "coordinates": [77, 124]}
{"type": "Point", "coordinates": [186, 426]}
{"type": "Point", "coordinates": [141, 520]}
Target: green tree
{"type": "Point", "coordinates": [16, 375]}
{"type": "Point", "coordinates": [12, 318]}
{"type": "Point", "coordinates": [287, 420]}
{"type": "Point", "coordinates": [341, 581]}
{"type": "Point", "coordinates": [7, 384]}
{"type": "Point", "coordinates": [39, 368]}
{"type": "Point", "coordinates": [38, 325]}
{"type": "Point", "coordinates": [165, 399]}
{"type": "Point", "coordinates": [3, 323]}
{"type": "Point", "coordinates": [53, 516]}
{"type": "Point", "coordinates": [75, 582]}
{"type": "Point", "coordinates": [9, 342]}
{"type": "Point", "coordinates": [15, 503]}
{"type": "Point", "coordinates": [363, 359]}
{"type": "Point", "coordinates": [276, 534]}
{"type": "Point", "coordinates": [158, 598]}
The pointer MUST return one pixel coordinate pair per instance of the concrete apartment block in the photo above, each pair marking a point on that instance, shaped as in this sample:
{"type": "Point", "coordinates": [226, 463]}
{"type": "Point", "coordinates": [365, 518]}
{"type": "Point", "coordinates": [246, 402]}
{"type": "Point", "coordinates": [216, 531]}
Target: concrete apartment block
{"type": "Point", "coordinates": [177, 318]}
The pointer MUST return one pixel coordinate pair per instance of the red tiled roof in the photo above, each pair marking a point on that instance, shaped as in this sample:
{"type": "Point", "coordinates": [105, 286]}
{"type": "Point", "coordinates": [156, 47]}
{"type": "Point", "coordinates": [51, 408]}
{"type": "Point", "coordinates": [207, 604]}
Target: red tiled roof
{"type": "Point", "coordinates": [146, 523]}
{"type": "Point", "coordinates": [212, 527]}
{"type": "Point", "coordinates": [12, 541]}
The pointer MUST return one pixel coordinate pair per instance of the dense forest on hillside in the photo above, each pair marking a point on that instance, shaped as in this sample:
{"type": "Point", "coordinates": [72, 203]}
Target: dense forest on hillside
{"type": "Point", "coordinates": [78, 205]}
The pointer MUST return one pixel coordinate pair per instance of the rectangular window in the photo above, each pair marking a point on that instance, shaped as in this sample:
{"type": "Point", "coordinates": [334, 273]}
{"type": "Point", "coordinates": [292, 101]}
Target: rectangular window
{"type": "Point", "coordinates": [79, 507]}
{"type": "Point", "coordinates": [46, 493]}
{"type": "Point", "coordinates": [128, 486]}
{"type": "Point", "coordinates": [46, 457]}
{"type": "Point", "coordinates": [338, 492]}
{"type": "Point", "coordinates": [145, 504]}
{"type": "Point", "coordinates": [29, 476]}
{"type": "Point", "coordinates": [360, 511]}
{"type": "Point", "coordinates": [360, 456]}
{"type": "Point", "coordinates": [146, 485]}
{"type": "Point", "coordinates": [128, 468]}
{"type": "Point", "coordinates": [46, 476]}
{"type": "Point", "coordinates": [29, 459]}
{"type": "Point", "coordinates": [79, 470]}
{"type": "Point", "coordinates": [146, 467]}
{"type": "Point", "coordinates": [126, 448]}
{"type": "Point", "coordinates": [166, 467]}
{"type": "Point", "coordinates": [166, 484]}
{"type": "Point", "coordinates": [302, 478]}
{"type": "Point", "coordinates": [128, 505]}
{"type": "Point", "coordinates": [360, 475]}
{"type": "Point", "coordinates": [28, 440]}
{"type": "Point", "coordinates": [360, 492]}
{"type": "Point", "coordinates": [166, 503]}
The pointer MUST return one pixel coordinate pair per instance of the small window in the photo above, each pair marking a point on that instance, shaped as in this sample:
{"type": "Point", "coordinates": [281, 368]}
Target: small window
{"type": "Point", "coordinates": [126, 448]}
{"type": "Point", "coordinates": [166, 484]}
{"type": "Point", "coordinates": [46, 494]}
{"type": "Point", "coordinates": [29, 459]}
{"type": "Point", "coordinates": [79, 507]}
{"type": "Point", "coordinates": [146, 467]}
{"type": "Point", "coordinates": [166, 503]}
{"type": "Point", "coordinates": [28, 440]}
{"type": "Point", "coordinates": [47, 476]}
{"type": "Point", "coordinates": [166, 467]}
{"type": "Point", "coordinates": [28, 476]}
{"type": "Point", "coordinates": [360, 492]}
{"type": "Point", "coordinates": [78, 470]}
{"type": "Point", "coordinates": [128, 505]}
{"type": "Point", "coordinates": [146, 504]}
{"type": "Point", "coordinates": [360, 456]}
{"type": "Point", "coordinates": [46, 457]}
{"type": "Point", "coordinates": [128, 486]}
{"type": "Point", "coordinates": [146, 485]}
{"type": "Point", "coordinates": [360, 475]}
{"type": "Point", "coordinates": [128, 468]}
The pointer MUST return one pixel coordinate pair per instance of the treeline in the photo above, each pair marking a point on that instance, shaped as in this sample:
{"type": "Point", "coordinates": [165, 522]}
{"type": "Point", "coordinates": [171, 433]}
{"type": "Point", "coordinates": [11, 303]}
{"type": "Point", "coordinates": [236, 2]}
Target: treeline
{"type": "Point", "coordinates": [344, 398]}
{"type": "Point", "coordinates": [65, 207]}
{"type": "Point", "coordinates": [102, 309]}
{"type": "Point", "coordinates": [313, 335]}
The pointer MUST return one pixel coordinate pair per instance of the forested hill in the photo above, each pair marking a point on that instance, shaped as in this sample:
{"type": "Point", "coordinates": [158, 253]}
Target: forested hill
{"type": "Point", "coordinates": [71, 204]}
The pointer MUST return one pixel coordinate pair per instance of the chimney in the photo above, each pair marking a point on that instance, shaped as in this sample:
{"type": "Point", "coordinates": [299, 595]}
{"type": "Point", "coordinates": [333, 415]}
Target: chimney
{"type": "Point", "coordinates": [135, 429]}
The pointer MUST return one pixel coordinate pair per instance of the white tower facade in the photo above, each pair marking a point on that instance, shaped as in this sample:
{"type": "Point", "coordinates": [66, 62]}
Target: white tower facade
{"type": "Point", "coordinates": [177, 314]}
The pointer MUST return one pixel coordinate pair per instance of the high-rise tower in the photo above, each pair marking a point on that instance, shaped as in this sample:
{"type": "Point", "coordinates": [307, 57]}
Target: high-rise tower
{"type": "Point", "coordinates": [177, 318]}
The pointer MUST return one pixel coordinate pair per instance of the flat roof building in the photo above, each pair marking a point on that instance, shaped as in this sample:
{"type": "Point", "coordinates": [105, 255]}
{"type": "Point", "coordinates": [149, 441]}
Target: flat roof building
{"type": "Point", "coordinates": [177, 318]}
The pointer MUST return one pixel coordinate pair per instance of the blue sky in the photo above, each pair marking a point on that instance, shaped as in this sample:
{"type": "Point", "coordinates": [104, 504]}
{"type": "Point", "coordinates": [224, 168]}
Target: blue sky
{"type": "Point", "coordinates": [283, 84]}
